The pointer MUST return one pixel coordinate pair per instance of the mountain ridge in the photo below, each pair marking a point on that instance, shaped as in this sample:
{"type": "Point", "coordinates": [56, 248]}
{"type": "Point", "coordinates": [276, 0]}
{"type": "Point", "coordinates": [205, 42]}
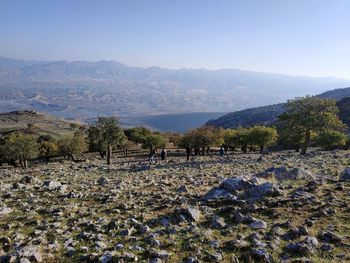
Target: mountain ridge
{"type": "Point", "coordinates": [82, 89]}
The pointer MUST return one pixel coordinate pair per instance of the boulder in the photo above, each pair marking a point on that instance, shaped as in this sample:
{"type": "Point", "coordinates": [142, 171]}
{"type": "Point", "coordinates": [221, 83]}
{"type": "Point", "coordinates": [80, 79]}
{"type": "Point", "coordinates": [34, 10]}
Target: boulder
{"type": "Point", "coordinates": [217, 222]}
{"type": "Point", "coordinates": [254, 188]}
{"type": "Point", "coordinates": [258, 192]}
{"type": "Point", "coordinates": [330, 237]}
{"type": "Point", "coordinates": [311, 241]}
{"type": "Point", "coordinates": [191, 213]}
{"type": "Point", "coordinates": [216, 193]}
{"type": "Point", "coordinates": [52, 185]}
{"type": "Point", "coordinates": [5, 211]}
{"type": "Point", "coordinates": [236, 184]}
{"type": "Point", "coordinates": [282, 173]}
{"type": "Point", "coordinates": [299, 248]}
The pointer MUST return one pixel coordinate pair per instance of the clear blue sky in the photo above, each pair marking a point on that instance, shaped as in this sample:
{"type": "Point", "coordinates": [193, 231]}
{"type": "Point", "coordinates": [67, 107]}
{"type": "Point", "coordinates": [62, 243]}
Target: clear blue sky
{"type": "Point", "coordinates": [299, 37]}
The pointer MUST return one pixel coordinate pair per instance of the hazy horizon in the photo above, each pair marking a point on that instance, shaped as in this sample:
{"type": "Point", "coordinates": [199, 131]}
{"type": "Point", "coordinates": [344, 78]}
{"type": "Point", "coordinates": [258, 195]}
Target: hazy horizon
{"type": "Point", "coordinates": [180, 68]}
{"type": "Point", "coordinates": [303, 38]}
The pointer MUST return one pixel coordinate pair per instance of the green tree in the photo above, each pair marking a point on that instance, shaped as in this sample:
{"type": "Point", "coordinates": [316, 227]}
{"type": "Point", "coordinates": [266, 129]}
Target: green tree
{"type": "Point", "coordinates": [262, 136]}
{"type": "Point", "coordinates": [206, 137]}
{"type": "Point", "coordinates": [96, 143]}
{"type": "Point", "coordinates": [201, 139]}
{"type": "Point", "coordinates": [310, 114]}
{"type": "Point", "coordinates": [330, 140]}
{"type": "Point", "coordinates": [19, 147]}
{"type": "Point", "coordinates": [186, 142]}
{"type": "Point", "coordinates": [107, 133]}
{"type": "Point", "coordinates": [174, 138]}
{"type": "Point", "coordinates": [238, 138]}
{"type": "Point", "coordinates": [73, 145]}
{"type": "Point", "coordinates": [290, 137]}
{"type": "Point", "coordinates": [137, 134]}
{"type": "Point", "coordinates": [154, 141]}
{"type": "Point", "coordinates": [48, 147]}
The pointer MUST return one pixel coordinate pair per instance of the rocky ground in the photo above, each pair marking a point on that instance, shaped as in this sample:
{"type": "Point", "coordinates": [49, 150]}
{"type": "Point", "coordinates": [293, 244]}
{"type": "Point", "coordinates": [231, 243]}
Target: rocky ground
{"type": "Point", "coordinates": [241, 208]}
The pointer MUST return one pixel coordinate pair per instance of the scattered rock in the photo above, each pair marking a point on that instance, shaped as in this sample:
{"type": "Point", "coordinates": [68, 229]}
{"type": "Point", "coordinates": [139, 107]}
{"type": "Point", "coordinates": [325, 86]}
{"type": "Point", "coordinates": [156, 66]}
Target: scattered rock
{"type": "Point", "coordinates": [330, 237]}
{"type": "Point", "coordinates": [52, 185]}
{"type": "Point", "coordinates": [102, 181]}
{"type": "Point", "coordinates": [258, 224]}
{"type": "Point", "coordinates": [345, 175]}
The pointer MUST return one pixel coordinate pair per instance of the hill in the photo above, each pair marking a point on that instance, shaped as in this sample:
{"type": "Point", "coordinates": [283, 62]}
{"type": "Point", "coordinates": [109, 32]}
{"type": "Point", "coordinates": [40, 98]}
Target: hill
{"type": "Point", "coordinates": [268, 114]}
{"type": "Point", "coordinates": [83, 89]}
{"type": "Point", "coordinates": [32, 122]}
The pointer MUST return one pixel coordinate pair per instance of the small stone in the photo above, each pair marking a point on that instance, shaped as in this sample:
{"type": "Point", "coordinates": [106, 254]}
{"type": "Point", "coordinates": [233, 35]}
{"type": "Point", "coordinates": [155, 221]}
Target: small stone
{"type": "Point", "coordinates": [258, 224]}
{"type": "Point", "coordinates": [327, 247]}
{"type": "Point", "coordinates": [182, 189]}
{"type": "Point", "coordinates": [102, 181]}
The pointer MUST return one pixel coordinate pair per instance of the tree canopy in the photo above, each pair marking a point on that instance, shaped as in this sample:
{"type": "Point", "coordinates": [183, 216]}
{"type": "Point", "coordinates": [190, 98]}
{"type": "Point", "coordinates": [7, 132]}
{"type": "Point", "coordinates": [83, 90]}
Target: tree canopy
{"type": "Point", "coordinates": [310, 114]}
{"type": "Point", "coordinates": [330, 140]}
{"type": "Point", "coordinates": [106, 134]}
{"type": "Point", "coordinates": [137, 134]}
{"type": "Point", "coordinates": [73, 145]}
{"type": "Point", "coordinates": [19, 147]}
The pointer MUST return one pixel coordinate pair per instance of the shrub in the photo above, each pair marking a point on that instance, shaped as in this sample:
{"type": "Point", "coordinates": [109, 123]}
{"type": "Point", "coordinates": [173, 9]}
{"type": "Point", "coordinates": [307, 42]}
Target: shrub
{"type": "Point", "coordinates": [330, 140]}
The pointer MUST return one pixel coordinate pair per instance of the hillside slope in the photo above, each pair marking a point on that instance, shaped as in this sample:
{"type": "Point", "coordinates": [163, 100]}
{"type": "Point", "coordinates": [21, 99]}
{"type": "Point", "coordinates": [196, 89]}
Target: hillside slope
{"type": "Point", "coordinates": [35, 123]}
{"type": "Point", "coordinates": [268, 114]}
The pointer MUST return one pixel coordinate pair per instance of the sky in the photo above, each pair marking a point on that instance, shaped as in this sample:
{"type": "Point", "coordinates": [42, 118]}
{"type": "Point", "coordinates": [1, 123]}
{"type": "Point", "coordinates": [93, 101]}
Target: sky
{"type": "Point", "coordinates": [295, 37]}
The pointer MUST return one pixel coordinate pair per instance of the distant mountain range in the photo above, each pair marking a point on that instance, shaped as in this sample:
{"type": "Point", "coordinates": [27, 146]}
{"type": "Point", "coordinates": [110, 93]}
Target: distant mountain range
{"type": "Point", "coordinates": [267, 115]}
{"type": "Point", "coordinates": [83, 90]}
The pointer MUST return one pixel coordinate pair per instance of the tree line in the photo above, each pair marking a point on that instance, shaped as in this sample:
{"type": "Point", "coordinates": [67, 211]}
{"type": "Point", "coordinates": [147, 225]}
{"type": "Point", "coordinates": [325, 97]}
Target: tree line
{"type": "Point", "coordinates": [306, 121]}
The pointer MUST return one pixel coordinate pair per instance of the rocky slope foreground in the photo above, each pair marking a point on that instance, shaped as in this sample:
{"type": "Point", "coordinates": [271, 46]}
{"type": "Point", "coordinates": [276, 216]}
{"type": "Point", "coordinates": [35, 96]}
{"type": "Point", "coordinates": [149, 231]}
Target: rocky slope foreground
{"type": "Point", "coordinates": [237, 209]}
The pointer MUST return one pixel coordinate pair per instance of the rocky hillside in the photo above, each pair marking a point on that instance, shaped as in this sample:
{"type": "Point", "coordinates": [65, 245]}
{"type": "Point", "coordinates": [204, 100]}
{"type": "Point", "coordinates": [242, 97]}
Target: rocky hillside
{"type": "Point", "coordinates": [282, 208]}
{"type": "Point", "coordinates": [87, 89]}
{"type": "Point", "coordinates": [32, 122]}
{"type": "Point", "coordinates": [267, 115]}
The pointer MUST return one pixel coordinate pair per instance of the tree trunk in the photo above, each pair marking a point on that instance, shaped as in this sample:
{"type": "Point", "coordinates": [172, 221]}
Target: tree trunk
{"type": "Point", "coordinates": [203, 150]}
{"type": "Point", "coordinates": [23, 163]}
{"type": "Point", "coordinates": [126, 152]}
{"type": "Point", "coordinates": [109, 154]}
{"type": "Point", "coordinates": [306, 143]}
{"type": "Point", "coordinates": [261, 148]}
{"type": "Point", "coordinates": [196, 151]}
{"type": "Point", "coordinates": [188, 153]}
{"type": "Point", "coordinates": [244, 148]}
